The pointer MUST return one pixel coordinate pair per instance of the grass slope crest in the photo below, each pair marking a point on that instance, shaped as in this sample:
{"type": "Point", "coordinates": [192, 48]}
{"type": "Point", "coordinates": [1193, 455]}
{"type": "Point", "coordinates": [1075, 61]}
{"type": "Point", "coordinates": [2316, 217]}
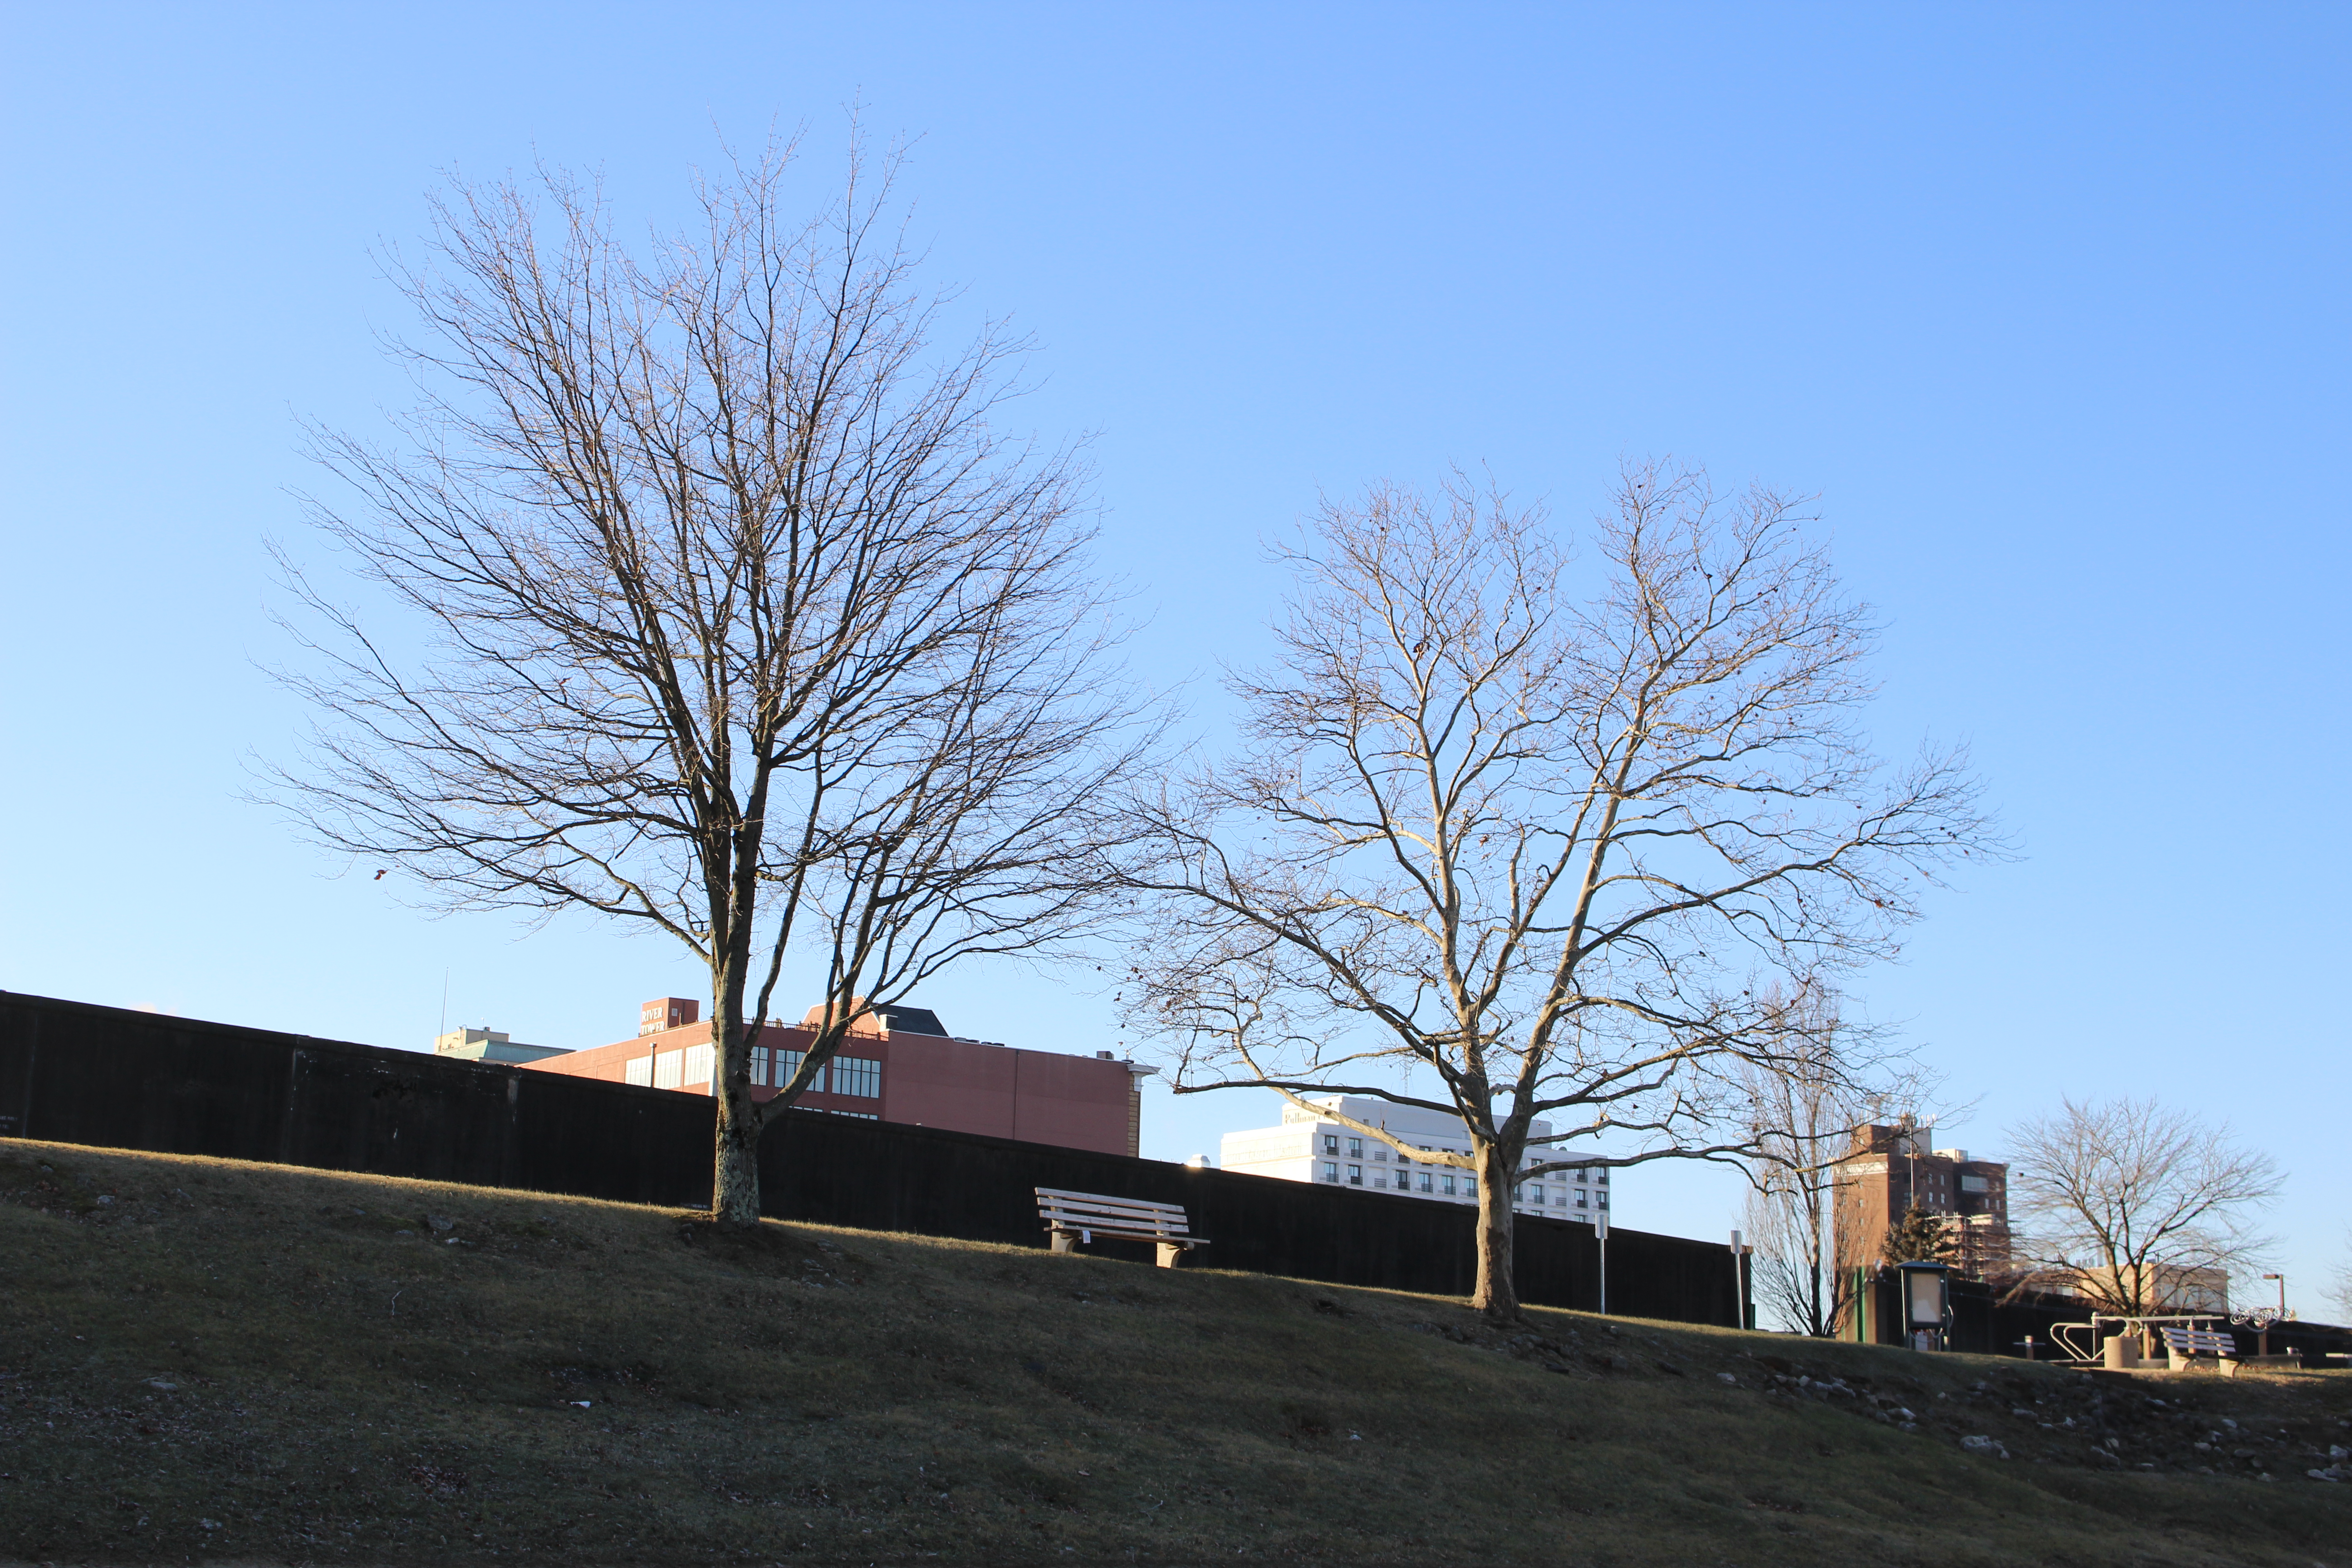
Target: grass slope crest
{"type": "Point", "coordinates": [209, 1361]}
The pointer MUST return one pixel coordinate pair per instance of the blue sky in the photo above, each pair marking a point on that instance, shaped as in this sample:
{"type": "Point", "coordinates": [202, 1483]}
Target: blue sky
{"type": "Point", "coordinates": [2046, 305]}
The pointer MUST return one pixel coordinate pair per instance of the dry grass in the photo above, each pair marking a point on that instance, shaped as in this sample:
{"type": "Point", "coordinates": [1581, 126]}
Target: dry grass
{"type": "Point", "coordinates": [252, 1364]}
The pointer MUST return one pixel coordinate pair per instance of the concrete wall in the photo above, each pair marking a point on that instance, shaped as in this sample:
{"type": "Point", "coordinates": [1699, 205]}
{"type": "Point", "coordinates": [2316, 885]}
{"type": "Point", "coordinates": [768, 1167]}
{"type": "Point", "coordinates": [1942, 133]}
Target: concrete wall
{"type": "Point", "coordinates": [77, 1074]}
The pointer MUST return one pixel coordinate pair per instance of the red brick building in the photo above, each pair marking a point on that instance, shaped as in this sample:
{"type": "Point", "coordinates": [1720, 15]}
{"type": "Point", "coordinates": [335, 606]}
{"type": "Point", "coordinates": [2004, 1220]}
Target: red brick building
{"type": "Point", "coordinates": [1891, 1168]}
{"type": "Point", "coordinates": [897, 1064]}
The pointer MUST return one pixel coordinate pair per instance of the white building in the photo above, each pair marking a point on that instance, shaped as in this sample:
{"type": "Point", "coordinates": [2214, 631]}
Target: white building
{"type": "Point", "coordinates": [1309, 1148]}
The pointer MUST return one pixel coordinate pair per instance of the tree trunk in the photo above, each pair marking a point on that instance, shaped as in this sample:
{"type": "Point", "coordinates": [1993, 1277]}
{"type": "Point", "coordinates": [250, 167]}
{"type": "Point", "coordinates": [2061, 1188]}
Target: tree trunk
{"type": "Point", "coordinates": [735, 1161]}
{"type": "Point", "coordinates": [1819, 1326]}
{"type": "Point", "coordinates": [1498, 1293]}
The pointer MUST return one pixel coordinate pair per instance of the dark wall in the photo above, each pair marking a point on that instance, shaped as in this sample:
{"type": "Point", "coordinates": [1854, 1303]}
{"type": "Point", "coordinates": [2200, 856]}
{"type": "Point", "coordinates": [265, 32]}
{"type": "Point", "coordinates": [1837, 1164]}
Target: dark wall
{"type": "Point", "coordinates": [72, 1073]}
{"type": "Point", "coordinates": [1989, 1320]}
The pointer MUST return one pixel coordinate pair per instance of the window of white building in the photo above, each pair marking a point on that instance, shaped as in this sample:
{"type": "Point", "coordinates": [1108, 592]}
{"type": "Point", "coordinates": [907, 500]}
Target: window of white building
{"type": "Point", "coordinates": [1355, 1175]}
{"type": "Point", "coordinates": [1447, 1185]}
{"type": "Point", "coordinates": [1330, 1173]}
{"type": "Point", "coordinates": [1355, 1148]}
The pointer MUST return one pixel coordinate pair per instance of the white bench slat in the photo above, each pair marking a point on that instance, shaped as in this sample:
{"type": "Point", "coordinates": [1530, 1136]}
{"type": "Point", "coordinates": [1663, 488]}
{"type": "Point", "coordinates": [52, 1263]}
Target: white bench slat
{"type": "Point", "coordinates": [1067, 1220]}
{"type": "Point", "coordinates": [1136, 1211]}
{"type": "Point", "coordinates": [2199, 1341]}
{"type": "Point", "coordinates": [1109, 1209]}
{"type": "Point", "coordinates": [1130, 1219]}
{"type": "Point", "coordinates": [1097, 1200]}
{"type": "Point", "coordinates": [1131, 1216]}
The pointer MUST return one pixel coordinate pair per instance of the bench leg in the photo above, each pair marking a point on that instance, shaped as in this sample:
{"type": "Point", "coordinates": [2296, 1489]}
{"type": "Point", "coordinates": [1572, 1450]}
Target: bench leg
{"type": "Point", "coordinates": [1170, 1253]}
{"type": "Point", "coordinates": [1064, 1241]}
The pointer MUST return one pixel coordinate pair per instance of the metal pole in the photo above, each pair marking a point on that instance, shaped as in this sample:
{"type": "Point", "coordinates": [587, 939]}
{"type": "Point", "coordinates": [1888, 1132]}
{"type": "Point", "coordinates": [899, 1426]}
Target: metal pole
{"type": "Point", "coordinates": [1739, 1291]}
{"type": "Point", "coordinates": [1601, 1233]}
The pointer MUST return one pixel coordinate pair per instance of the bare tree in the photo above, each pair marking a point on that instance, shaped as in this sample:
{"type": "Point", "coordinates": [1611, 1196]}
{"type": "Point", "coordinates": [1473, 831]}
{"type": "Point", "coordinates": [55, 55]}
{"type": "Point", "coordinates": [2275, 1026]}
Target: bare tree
{"type": "Point", "coordinates": [1803, 1110]}
{"type": "Point", "coordinates": [2126, 1203]}
{"type": "Point", "coordinates": [1545, 853]}
{"type": "Point", "coordinates": [2339, 1284]}
{"type": "Point", "coordinates": [718, 604]}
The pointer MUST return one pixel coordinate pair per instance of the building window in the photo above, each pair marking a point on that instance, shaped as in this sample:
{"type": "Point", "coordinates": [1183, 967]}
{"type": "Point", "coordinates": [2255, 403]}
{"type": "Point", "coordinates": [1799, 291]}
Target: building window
{"type": "Point", "coordinates": [640, 1071]}
{"type": "Point", "coordinates": [1404, 1159]}
{"type": "Point", "coordinates": [698, 1063]}
{"type": "Point", "coordinates": [666, 1068]}
{"type": "Point", "coordinates": [1424, 1181]}
{"type": "Point", "coordinates": [858, 1075]}
{"type": "Point", "coordinates": [759, 1065]}
{"type": "Point", "coordinates": [1536, 1196]}
{"type": "Point", "coordinates": [1331, 1142]}
{"type": "Point", "coordinates": [1330, 1173]}
{"type": "Point", "coordinates": [1447, 1185]}
{"type": "Point", "coordinates": [1355, 1148]}
{"type": "Point", "coordinates": [1355, 1175]}
{"type": "Point", "coordinates": [1579, 1200]}
{"type": "Point", "coordinates": [1580, 1176]}
{"type": "Point", "coordinates": [791, 1064]}
{"type": "Point", "coordinates": [1559, 1199]}
{"type": "Point", "coordinates": [1379, 1153]}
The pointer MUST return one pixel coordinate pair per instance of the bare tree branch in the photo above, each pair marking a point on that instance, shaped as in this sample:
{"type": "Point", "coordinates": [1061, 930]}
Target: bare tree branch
{"type": "Point", "coordinates": [2134, 1206]}
{"type": "Point", "coordinates": [1547, 845]}
{"type": "Point", "coordinates": [716, 601]}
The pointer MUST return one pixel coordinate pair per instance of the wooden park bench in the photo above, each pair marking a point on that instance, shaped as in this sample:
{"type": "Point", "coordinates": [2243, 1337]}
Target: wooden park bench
{"type": "Point", "coordinates": [1072, 1218]}
{"type": "Point", "coordinates": [2184, 1346]}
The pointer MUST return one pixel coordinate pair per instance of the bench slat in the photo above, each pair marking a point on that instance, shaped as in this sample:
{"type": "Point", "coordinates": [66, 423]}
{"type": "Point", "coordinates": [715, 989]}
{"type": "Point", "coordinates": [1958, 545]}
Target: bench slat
{"type": "Point", "coordinates": [1138, 1216]}
{"type": "Point", "coordinates": [1112, 1217]}
{"type": "Point", "coordinates": [1168, 1233]}
{"type": "Point", "coordinates": [1127, 1220]}
{"type": "Point", "coordinates": [1138, 1210]}
{"type": "Point", "coordinates": [1097, 1200]}
{"type": "Point", "coordinates": [1127, 1234]}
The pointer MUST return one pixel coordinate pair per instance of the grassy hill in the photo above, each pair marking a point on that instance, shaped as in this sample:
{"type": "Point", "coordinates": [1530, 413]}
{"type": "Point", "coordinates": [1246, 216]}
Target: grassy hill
{"type": "Point", "coordinates": [210, 1360]}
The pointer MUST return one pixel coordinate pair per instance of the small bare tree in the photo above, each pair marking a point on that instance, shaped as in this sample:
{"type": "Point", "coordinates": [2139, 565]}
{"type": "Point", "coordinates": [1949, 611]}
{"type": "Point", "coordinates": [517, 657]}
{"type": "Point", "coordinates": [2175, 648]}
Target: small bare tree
{"type": "Point", "coordinates": [739, 619]}
{"type": "Point", "coordinates": [1803, 1110]}
{"type": "Point", "coordinates": [1546, 853]}
{"type": "Point", "coordinates": [2127, 1203]}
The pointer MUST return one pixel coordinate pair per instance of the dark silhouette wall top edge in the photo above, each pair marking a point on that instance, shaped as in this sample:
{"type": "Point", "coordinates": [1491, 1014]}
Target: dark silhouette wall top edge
{"type": "Point", "coordinates": [77, 1072]}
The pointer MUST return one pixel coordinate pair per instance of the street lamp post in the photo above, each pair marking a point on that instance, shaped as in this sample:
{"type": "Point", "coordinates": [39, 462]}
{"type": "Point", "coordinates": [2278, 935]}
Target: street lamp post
{"type": "Point", "coordinates": [1600, 1235]}
{"type": "Point", "coordinates": [1739, 1284]}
